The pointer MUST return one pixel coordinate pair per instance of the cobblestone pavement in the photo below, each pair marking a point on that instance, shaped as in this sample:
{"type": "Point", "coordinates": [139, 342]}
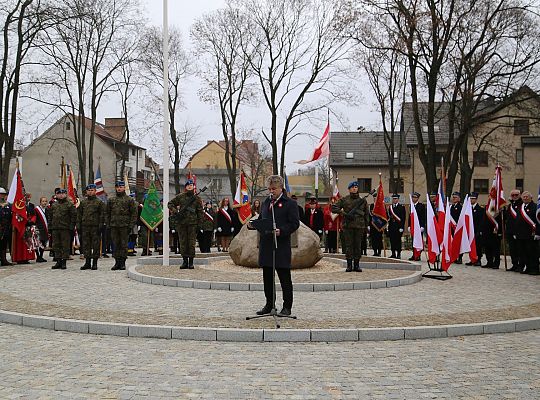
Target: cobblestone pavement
{"type": "Point", "coordinates": [38, 363]}
{"type": "Point", "coordinates": [473, 295]}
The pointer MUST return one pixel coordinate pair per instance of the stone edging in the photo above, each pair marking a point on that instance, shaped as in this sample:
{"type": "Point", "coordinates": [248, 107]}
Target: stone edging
{"type": "Point", "coordinates": [267, 335]}
{"type": "Point", "coordinates": [300, 287]}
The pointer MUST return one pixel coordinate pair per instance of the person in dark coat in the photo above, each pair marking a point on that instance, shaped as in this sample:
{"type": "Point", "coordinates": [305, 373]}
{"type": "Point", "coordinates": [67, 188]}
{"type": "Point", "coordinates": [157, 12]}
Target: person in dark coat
{"type": "Point", "coordinates": [300, 208]}
{"type": "Point", "coordinates": [5, 226]}
{"type": "Point", "coordinates": [511, 213]}
{"type": "Point", "coordinates": [42, 227]}
{"type": "Point", "coordinates": [479, 213]}
{"type": "Point", "coordinates": [207, 228]}
{"type": "Point", "coordinates": [224, 224]}
{"type": "Point", "coordinates": [396, 224]}
{"type": "Point", "coordinates": [455, 212]}
{"type": "Point", "coordinates": [287, 221]}
{"type": "Point", "coordinates": [314, 217]}
{"type": "Point", "coordinates": [375, 234]}
{"type": "Point", "coordinates": [422, 216]}
{"type": "Point", "coordinates": [527, 233]}
{"type": "Point", "coordinates": [491, 234]}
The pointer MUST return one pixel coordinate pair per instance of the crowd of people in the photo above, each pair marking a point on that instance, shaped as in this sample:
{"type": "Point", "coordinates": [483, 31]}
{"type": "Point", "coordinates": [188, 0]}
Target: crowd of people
{"type": "Point", "coordinates": [98, 229]}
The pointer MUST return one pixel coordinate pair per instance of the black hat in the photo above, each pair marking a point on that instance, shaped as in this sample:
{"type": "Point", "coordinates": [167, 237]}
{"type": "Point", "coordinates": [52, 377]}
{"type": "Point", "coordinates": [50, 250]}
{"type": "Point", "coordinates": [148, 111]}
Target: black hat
{"type": "Point", "coordinates": [313, 200]}
{"type": "Point", "coordinates": [473, 195]}
{"type": "Point", "coordinates": [456, 194]}
{"type": "Point", "coordinates": [415, 194]}
{"type": "Point", "coordinates": [56, 190]}
{"type": "Point", "coordinates": [434, 194]}
{"type": "Point", "coordinates": [395, 196]}
{"type": "Point", "coordinates": [294, 197]}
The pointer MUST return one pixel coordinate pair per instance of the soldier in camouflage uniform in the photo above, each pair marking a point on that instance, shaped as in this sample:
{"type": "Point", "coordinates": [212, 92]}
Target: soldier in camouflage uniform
{"type": "Point", "coordinates": [91, 217]}
{"type": "Point", "coordinates": [121, 215]}
{"type": "Point", "coordinates": [62, 220]}
{"type": "Point", "coordinates": [355, 221]}
{"type": "Point", "coordinates": [188, 207]}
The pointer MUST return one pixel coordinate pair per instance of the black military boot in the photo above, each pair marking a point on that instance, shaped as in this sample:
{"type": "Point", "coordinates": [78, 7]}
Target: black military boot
{"type": "Point", "coordinates": [349, 265]}
{"type": "Point", "coordinates": [94, 263]}
{"type": "Point", "coordinates": [122, 263]}
{"type": "Point", "coordinates": [116, 264]}
{"type": "Point", "coordinates": [185, 264]}
{"type": "Point", "coordinates": [63, 264]}
{"type": "Point", "coordinates": [58, 265]}
{"type": "Point", "coordinates": [357, 265]}
{"type": "Point", "coordinates": [190, 263]}
{"type": "Point", "coordinates": [86, 264]}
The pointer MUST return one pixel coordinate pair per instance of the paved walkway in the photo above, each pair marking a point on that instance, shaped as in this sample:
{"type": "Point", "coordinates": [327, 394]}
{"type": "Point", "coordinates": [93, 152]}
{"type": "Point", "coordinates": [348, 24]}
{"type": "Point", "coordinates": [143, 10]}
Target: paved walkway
{"type": "Point", "coordinates": [38, 363]}
{"type": "Point", "coordinates": [473, 295]}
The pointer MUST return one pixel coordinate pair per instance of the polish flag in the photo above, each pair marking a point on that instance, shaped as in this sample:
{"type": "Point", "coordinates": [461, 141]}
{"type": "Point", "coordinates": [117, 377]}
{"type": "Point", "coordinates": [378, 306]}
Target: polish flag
{"type": "Point", "coordinates": [469, 224]}
{"type": "Point", "coordinates": [241, 200]}
{"type": "Point", "coordinates": [460, 241]}
{"type": "Point", "coordinates": [416, 233]}
{"type": "Point", "coordinates": [440, 212]}
{"type": "Point", "coordinates": [496, 198]}
{"type": "Point", "coordinates": [446, 258]}
{"type": "Point", "coordinates": [433, 243]}
{"type": "Point", "coordinates": [323, 148]}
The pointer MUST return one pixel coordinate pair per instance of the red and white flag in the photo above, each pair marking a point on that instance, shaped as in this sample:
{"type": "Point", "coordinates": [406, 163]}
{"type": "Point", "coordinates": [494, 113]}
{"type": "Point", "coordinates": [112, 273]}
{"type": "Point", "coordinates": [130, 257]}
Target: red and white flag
{"type": "Point", "coordinates": [460, 241]}
{"type": "Point", "coordinates": [335, 192]}
{"type": "Point", "coordinates": [416, 233]}
{"type": "Point", "coordinates": [440, 211]}
{"type": "Point", "coordinates": [323, 148]}
{"type": "Point", "coordinates": [433, 242]}
{"type": "Point", "coordinates": [241, 200]}
{"type": "Point", "coordinates": [469, 225]}
{"type": "Point", "coordinates": [496, 198]}
{"type": "Point", "coordinates": [446, 253]}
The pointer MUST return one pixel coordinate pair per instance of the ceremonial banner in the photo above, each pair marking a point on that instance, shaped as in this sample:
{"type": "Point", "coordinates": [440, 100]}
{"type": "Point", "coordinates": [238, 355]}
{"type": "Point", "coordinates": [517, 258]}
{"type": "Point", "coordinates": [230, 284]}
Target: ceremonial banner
{"type": "Point", "coordinates": [241, 200]}
{"type": "Point", "coordinates": [433, 243]}
{"type": "Point", "coordinates": [496, 198]}
{"type": "Point", "coordinates": [19, 217]}
{"type": "Point", "coordinates": [446, 256]}
{"type": "Point", "coordinates": [323, 148]}
{"type": "Point", "coordinates": [441, 215]}
{"type": "Point", "coordinates": [416, 233]}
{"type": "Point", "coordinates": [72, 188]}
{"type": "Point", "coordinates": [152, 212]}
{"type": "Point", "coordinates": [100, 191]}
{"type": "Point", "coordinates": [379, 217]}
{"type": "Point", "coordinates": [469, 225]}
{"type": "Point", "coordinates": [460, 241]}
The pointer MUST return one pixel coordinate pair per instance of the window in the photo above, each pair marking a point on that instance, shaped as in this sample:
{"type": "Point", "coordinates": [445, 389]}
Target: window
{"type": "Point", "coordinates": [133, 151]}
{"type": "Point", "coordinates": [216, 184]}
{"type": "Point", "coordinates": [521, 127]}
{"type": "Point", "coordinates": [68, 126]}
{"type": "Point", "coordinates": [436, 128]}
{"type": "Point", "coordinates": [519, 184]}
{"type": "Point", "coordinates": [349, 156]}
{"type": "Point", "coordinates": [480, 158]}
{"type": "Point", "coordinates": [519, 156]}
{"type": "Point", "coordinates": [364, 185]}
{"type": "Point", "coordinates": [398, 186]}
{"type": "Point", "coordinates": [481, 185]}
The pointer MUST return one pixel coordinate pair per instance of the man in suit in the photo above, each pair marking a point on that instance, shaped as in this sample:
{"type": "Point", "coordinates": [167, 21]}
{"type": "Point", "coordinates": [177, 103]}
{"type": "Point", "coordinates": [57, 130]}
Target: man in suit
{"type": "Point", "coordinates": [527, 233]}
{"type": "Point", "coordinates": [422, 216]}
{"type": "Point", "coordinates": [396, 224]}
{"type": "Point", "coordinates": [314, 217]}
{"type": "Point", "coordinates": [511, 213]}
{"type": "Point", "coordinates": [478, 213]}
{"type": "Point", "coordinates": [455, 211]}
{"type": "Point", "coordinates": [285, 212]}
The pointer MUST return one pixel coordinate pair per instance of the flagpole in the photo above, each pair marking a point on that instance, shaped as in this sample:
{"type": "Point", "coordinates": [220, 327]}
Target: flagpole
{"type": "Point", "coordinates": [166, 128]}
{"type": "Point", "coordinates": [317, 182]}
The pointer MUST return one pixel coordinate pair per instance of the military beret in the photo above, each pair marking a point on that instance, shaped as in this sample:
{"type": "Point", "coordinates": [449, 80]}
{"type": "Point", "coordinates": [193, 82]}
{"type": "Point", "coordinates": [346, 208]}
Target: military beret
{"type": "Point", "coordinates": [56, 190]}
{"type": "Point", "coordinates": [395, 196]}
{"type": "Point", "coordinates": [415, 194]}
{"type": "Point", "coordinates": [60, 191]}
{"type": "Point", "coordinates": [434, 194]}
{"type": "Point", "coordinates": [473, 195]}
{"type": "Point", "coordinates": [119, 183]}
{"type": "Point", "coordinates": [90, 186]}
{"type": "Point", "coordinates": [188, 182]}
{"type": "Point", "coordinates": [352, 184]}
{"type": "Point", "coordinates": [456, 194]}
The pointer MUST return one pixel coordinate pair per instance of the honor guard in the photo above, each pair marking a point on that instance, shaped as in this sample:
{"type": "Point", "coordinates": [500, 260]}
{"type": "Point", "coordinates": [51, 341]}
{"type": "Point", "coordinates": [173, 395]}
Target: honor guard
{"type": "Point", "coordinates": [479, 214]}
{"type": "Point", "coordinates": [455, 211]}
{"type": "Point", "coordinates": [396, 224]}
{"type": "Point", "coordinates": [422, 216]}
{"type": "Point", "coordinates": [90, 221]}
{"type": "Point", "coordinates": [121, 216]}
{"type": "Point", "coordinates": [355, 212]}
{"type": "Point", "coordinates": [491, 234]}
{"type": "Point", "coordinates": [188, 207]}
{"type": "Point", "coordinates": [62, 220]}
{"type": "Point", "coordinates": [374, 233]}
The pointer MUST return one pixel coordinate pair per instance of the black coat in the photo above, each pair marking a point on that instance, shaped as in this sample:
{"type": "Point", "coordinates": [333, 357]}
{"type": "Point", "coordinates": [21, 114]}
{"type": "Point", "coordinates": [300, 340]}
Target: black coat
{"type": "Point", "coordinates": [287, 221]}
{"type": "Point", "coordinates": [223, 222]}
{"type": "Point", "coordinates": [478, 214]}
{"type": "Point", "coordinates": [455, 211]}
{"type": "Point", "coordinates": [422, 214]}
{"type": "Point", "coordinates": [523, 230]}
{"type": "Point", "coordinates": [318, 220]}
{"type": "Point", "coordinates": [394, 225]}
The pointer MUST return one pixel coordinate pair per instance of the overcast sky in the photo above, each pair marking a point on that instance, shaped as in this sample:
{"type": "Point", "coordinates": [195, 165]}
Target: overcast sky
{"type": "Point", "coordinates": [182, 14]}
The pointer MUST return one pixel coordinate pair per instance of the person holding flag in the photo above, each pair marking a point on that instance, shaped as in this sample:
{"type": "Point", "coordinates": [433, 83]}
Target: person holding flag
{"type": "Point", "coordinates": [21, 251]}
{"type": "Point", "coordinates": [396, 225]}
{"type": "Point", "coordinates": [478, 216]}
{"type": "Point", "coordinates": [207, 228]}
{"type": "Point", "coordinates": [416, 230]}
{"type": "Point", "coordinates": [528, 234]}
{"type": "Point", "coordinates": [151, 216]}
{"type": "Point", "coordinates": [241, 200]}
{"type": "Point", "coordinates": [332, 222]}
{"type": "Point", "coordinates": [491, 234]}
{"type": "Point", "coordinates": [420, 210]}
{"type": "Point", "coordinates": [378, 220]}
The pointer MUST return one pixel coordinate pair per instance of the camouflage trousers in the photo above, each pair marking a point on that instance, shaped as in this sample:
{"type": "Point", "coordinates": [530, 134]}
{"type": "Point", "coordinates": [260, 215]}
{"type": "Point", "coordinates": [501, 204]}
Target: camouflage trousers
{"type": "Point", "coordinates": [91, 240]}
{"type": "Point", "coordinates": [187, 235]}
{"type": "Point", "coordinates": [352, 242]}
{"type": "Point", "coordinates": [61, 243]}
{"type": "Point", "coordinates": [119, 237]}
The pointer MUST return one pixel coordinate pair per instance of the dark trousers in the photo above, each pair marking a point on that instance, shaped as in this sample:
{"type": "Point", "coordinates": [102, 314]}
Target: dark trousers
{"type": "Point", "coordinates": [119, 238]}
{"type": "Point", "coordinates": [513, 247]}
{"type": "Point", "coordinates": [528, 251]}
{"type": "Point", "coordinates": [376, 241]}
{"type": "Point", "coordinates": [285, 280]}
{"type": "Point", "coordinates": [205, 241]}
{"type": "Point", "coordinates": [331, 241]}
{"type": "Point", "coordinates": [395, 242]}
{"type": "Point", "coordinates": [90, 241]}
{"type": "Point", "coordinates": [479, 240]}
{"type": "Point", "coordinates": [492, 246]}
{"type": "Point", "coordinates": [62, 239]}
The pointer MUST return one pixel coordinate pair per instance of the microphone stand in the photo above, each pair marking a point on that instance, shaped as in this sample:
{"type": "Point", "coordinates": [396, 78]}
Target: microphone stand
{"type": "Point", "coordinates": [273, 313]}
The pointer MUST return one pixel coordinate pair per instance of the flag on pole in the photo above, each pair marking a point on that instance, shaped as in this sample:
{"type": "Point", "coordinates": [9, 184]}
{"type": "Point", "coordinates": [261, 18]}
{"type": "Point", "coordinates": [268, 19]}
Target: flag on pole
{"type": "Point", "coordinates": [72, 188]}
{"type": "Point", "coordinates": [469, 225]}
{"type": "Point", "coordinates": [100, 191]}
{"type": "Point", "coordinates": [322, 149]}
{"type": "Point", "coordinates": [335, 192]}
{"type": "Point", "coordinates": [441, 215]}
{"type": "Point", "coordinates": [538, 207]}
{"type": "Point", "coordinates": [152, 212]}
{"type": "Point", "coordinates": [287, 187]}
{"type": "Point", "coordinates": [126, 182]}
{"type": "Point", "coordinates": [496, 198]}
{"type": "Point", "coordinates": [446, 247]}
{"type": "Point", "coordinates": [19, 217]}
{"type": "Point", "coordinates": [13, 187]}
{"type": "Point", "coordinates": [379, 218]}
{"type": "Point", "coordinates": [460, 241]}
{"type": "Point", "coordinates": [241, 200]}
{"type": "Point", "coordinates": [416, 233]}
{"type": "Point", "coordinates": [433, 242]}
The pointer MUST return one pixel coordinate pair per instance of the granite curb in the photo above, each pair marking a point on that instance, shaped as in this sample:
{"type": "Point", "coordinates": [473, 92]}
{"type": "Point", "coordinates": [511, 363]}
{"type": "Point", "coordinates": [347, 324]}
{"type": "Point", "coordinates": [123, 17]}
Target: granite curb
{"type": "Point", "coordinates": [133, 274]}
{"type": "Point", "coordinates": [268, 335]}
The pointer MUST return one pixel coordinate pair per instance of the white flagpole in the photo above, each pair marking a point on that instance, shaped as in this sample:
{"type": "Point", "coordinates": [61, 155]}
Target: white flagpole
{"type": "Point", "coordinates": [165, 181]}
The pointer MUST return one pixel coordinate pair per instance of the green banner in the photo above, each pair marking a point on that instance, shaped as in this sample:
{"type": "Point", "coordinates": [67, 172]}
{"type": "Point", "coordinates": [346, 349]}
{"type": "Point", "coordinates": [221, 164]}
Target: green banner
{"type": "Point", "coordinates": [152, 212]}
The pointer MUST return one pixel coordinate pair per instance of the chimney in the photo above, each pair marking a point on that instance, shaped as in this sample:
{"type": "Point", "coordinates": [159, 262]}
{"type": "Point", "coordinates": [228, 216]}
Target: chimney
{"type": "Point", "coordinates": [116, 127]}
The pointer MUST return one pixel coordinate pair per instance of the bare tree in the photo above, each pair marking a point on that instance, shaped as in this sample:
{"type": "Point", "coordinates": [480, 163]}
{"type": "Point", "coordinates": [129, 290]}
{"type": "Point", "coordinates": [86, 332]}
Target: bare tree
{"type": "Point", "coordinates": [299, 54]}
{"type": "Point", "coordinates": [222, 40]}
{"type": "Point", "coordinates": [151, 58]}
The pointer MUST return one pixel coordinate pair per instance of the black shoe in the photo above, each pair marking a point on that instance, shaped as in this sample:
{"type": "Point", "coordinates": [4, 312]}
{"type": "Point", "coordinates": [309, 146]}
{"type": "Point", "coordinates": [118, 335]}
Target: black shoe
{"type": "Point", "coordinates": [190, 263]}
{"type": "Point", "coordinates": [94, 263]}
{"type": "Point", "coordinates": [63, 264]}
{"type": "Point", "coordinates": [487, 266]}
{"type": "Point", "coordinates": [40, 260]}
{"type": "Point", "coordinates": [122, 265]}
{"type": "Point", "coordinates": [185, 264]}
{"type": "Point", "coordinates": [477, 264]}
{"type": "Point", "coordinates": [470, 264]}
{"type": "Point", "coordinates": [105, 256]}
{"type": "Point", "coordinates": [349, 265]}
{"type": "Point", "coordinates": [458, 262]}
{"type": "Point", "coordinates": [265, 310]}
{"type": "Point", "coordinates": [357, 266]}
{"type": "Point", "coordinates": [494, 267]}
{"type": "Point", "coordinates": [116, 265]}
{"type": "Point", "coordinates": [535, 272]}
{"type": "Point", "coordinates": [411, 258]}
{"type": "Point", "coordinates": [5, 263]}
{"type": "Point", "coordinates": [285, 311]}
{"type": "Point", "coordinates": [524, 271]}
{"type": "Point", "coordinates": [57, 265]}
{"type": "Point", "coordinates": [86, 264]}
